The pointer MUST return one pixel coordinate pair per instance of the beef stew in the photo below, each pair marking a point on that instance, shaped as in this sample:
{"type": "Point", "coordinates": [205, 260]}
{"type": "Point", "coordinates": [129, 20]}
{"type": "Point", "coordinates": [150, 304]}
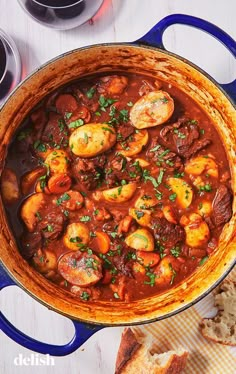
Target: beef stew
{"type": "Point", "coordinates": [117, 187]}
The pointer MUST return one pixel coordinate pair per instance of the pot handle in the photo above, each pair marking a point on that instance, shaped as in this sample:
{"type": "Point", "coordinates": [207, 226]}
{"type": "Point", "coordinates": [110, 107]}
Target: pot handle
{"type": "Point", "coordinates": [83, 331]}
{"type": "Point", "coordinates": [154, 37]}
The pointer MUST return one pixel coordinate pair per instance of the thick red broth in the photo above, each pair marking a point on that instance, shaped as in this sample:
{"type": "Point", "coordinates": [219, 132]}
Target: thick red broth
{"type": "Point", "coordinates": [117, 187]}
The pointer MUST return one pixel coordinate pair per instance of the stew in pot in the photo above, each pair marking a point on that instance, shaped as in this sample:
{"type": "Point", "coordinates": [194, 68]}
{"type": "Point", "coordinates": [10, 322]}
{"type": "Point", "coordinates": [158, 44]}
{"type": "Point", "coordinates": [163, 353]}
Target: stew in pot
{"type": "Point", "coordinates": [117, 187]}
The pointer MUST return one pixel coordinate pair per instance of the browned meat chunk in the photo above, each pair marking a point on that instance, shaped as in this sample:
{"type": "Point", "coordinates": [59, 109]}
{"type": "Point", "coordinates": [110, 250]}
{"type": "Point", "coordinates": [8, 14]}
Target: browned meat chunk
{"type": "Point", "coordinates": [112, 85]}
{"type": "Point", "coordinates": [185, 135]}
{"type": "Point", "coordinates": [89, 171]}
{"type": "Point", "coordinates": [52, 224]}
{"type": "Point", "coordinates": [164, 157]}
{"type": "Point", "coordinates": [168, 234]}
{"type": "Point", "coordinates": [124, 131]}
{"type": "Point", "coordinates": [119, 168]}
{"type": "Point", "coordinates": [55, 132]}
{"type": "Point", "coordinates": [222, 206]}
{"type": "Point", "coordinates": [30, 241]}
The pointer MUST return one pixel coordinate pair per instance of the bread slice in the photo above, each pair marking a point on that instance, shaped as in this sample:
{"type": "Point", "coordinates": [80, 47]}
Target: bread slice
{"type": "Point", "coordinates": [135, 357]}
{"type": "Point", "coordinates": [222, 328]}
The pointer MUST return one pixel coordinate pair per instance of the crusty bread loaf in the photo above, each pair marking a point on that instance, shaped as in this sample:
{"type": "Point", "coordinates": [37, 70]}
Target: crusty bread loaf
{"type": "Point", "coordinates": [135, 357]}
{"type": "Point", "coordinates": [222, 328]}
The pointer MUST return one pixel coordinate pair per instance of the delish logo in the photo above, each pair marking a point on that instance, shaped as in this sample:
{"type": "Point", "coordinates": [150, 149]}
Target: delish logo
{"type": "Point", "coordinates": [34, 360]}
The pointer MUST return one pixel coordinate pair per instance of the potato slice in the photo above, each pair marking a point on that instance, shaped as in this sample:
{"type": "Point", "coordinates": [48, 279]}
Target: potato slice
{"type": "Point", "coordinates": [80, 269]}
{"type": "Point", "coordinates": [152, 109]}
{"type": "Point", "coordinates": [164, 271]}
{"type": "Point", "coordinates": [141, 240]}
{"type": "Point", "coordinates": [119, 194]}
{"type": "Point", "coordinates": [135, 146]}
{"type": "Point", "coordinates": [30, 210]}
{"type": "Point", "coordinates": [92, 139]}
{"type": "Point", "coordinates": [143, 217]}
{"type": "Point", "coordinates": [197, 231]}
{"type": "Point", "coordinates": [57, 161]}
{"type": "Point", "coordinates": [204, 208]}
{"type": "Point", "coordinates": [183, 191]}
{"type": "Point", "coordinates": [9, 186]}
{"type": "Point", "coordinates": [145, 202]}
{"type": "Point", "coordinates": [76, 235]}
{"type": "Point", "coordinates": [143, 163]}
{"type": "Point", "coordinates": [202, 164]}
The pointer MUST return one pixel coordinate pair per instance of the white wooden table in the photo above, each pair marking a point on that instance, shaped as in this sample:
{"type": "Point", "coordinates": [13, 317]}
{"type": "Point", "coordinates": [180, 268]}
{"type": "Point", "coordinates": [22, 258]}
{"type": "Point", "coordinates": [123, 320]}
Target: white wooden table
{"type": "Point", "coordinates": [117, 20]}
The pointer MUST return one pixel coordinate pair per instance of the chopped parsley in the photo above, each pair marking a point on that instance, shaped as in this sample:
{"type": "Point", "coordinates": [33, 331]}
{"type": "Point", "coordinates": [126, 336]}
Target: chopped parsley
{"type": "Point", "coordinates": [40, 147]}
{"type": "Point", "coordinates": [174, 273]}
{"type": "Point", "coordinates": [152, 278]}
{"type": "Point", "coordinates": [139, 214]}
{"type": "Point", "coordinates": [64, 197]}
{"type": "Point", "coordinates": [85, 296]}
{"type": "Point", "coordinates": [74, 124]}
{"type": "Point", "coordinates": [105, 102]}
{"type": "Point", "coordinates": [38, 215]}
{"type": "Point", "coordinates": [207, 188]}
{"type": "Point", "coordinates": [90, 93]}
{"type": "Point", "coordinates": [85, 219]}
{"type": "Point", "coordinates": [203, 260]}
{"type": "Point", "coordinates": [172, 197]}
{"type": "Point", "coordinates": [175, 251]}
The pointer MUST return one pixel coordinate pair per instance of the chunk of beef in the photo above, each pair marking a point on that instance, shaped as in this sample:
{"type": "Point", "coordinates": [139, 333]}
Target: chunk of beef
{"type": "Point", "coordinates": [89, 171]}
{"type": "Point", "coordinates": [123, 264]}
{"type": "Point", "coordinates": [30, 242]}
{"type": "Point", "coordinates": [164, 156]}
{"type": "Point", "coordinates": [52, 224]}
{"type": "Point", "coordinates": [55, 131]}
{"type": "Point", "coordinates": [196, 147]}
{"type": "Point", "coordinates": [222, 206]}
{"type": "Point", "coordinates": [119, 168]}
{"type": "Point", "coordinates": [184, 134]}
{"type": "Point", "coordinates": [168, 234]}
{"type": "Point", "coordinates": [168, 130]}
{"type": "Point", "coordinates": [124, 131]}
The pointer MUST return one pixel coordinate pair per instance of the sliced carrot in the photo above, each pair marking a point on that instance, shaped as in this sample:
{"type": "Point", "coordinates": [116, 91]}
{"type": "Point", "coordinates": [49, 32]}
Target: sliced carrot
{"type": "Point", "coordinates": [125, 224]}
{"type": "Point", "coordinates": [81, 112]}
{"type": "Point", "coordinates": [59, 183]}
{"type": "Point", "coordinates": [74, 200]}
{"type": "Point", "coordinates": [66, 103]}
{"type": "Point", "coordinates": [148, 258]}
{"type": "Point", "coordinates": [195, 252]}
{"type": "Point", "coordinates": [169, 214]}
{"type": "Point", "coordinates": [102, 242]}
{"type": "Point", "coordinates": [101, 214]}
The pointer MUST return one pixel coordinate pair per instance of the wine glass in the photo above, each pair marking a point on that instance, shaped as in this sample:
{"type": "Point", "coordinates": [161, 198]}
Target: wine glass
{"type": "Point", "coordinates": [10, 65]}
{"type": "Point", "coordinates": [61, 14]}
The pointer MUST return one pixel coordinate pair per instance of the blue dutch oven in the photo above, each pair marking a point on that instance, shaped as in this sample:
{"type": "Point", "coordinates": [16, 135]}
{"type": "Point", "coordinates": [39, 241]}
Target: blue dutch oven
{"type": "Point", "coordinates": [147, 55]}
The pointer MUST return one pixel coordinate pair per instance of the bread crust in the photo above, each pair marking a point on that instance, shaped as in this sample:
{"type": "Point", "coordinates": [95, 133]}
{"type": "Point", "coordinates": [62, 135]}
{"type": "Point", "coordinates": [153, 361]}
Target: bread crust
{"type": "Point", "coordinates": [222, 328]}
{"type": "Point", "coordinates": [137, 359]}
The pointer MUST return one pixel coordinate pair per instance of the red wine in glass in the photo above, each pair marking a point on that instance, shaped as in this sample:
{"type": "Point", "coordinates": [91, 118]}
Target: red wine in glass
{"type": "Point", "coordinates": [10, 65]}
{"type": "Point", "coordinates": [61, 14]}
